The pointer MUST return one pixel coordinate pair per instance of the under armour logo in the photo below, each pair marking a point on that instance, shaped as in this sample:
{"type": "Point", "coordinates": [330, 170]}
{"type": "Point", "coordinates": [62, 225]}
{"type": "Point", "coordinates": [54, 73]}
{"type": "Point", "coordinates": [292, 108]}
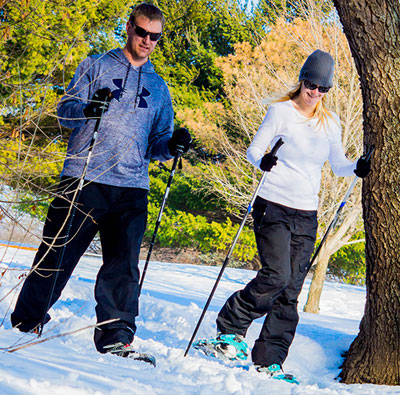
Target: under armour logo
{"type": "Point", "coordinates": [142, 101]}
{"type": "Point", "coordinates": [117, 93]}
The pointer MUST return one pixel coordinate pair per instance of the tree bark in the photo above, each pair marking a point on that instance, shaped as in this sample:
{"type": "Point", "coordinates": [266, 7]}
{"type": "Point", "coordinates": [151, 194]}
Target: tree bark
{"type": "Point", "coordinates": [317, 283]}
{"type": "Point", "coordinates": [372, 29]}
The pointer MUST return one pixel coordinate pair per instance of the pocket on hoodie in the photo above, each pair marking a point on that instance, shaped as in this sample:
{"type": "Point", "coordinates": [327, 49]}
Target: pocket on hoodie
{"type": "Point", "coordinates": [131, 157]}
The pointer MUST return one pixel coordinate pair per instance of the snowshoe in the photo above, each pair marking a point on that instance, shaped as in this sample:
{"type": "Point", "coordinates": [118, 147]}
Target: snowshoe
{"type": "Point", "coordinates": [228, 347]}
{"type": "Point", "coordinates": [126, 351]}
{"type": "Point", "coordinates": [275, 372]}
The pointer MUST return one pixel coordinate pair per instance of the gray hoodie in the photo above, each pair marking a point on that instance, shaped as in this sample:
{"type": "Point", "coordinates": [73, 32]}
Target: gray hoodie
{"type": "Point", "coordinates": [135, 129]}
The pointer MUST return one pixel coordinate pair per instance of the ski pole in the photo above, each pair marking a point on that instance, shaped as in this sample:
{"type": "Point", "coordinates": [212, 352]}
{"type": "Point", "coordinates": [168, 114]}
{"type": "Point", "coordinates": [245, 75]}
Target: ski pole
{"type": "Point", "coordinates": [75, 198]}
{"type": "Point", "coordinates": [250, 206]}
{"type": "Point", "coordinates": [332, 225]}
{"type": "Point", "coordinates": [153, 239]}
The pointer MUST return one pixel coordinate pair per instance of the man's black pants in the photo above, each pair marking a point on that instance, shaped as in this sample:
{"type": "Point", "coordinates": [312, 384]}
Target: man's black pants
{"type": "Point", "coordinates": [285, 241]}
{"type": "Point", "coordinates": [120, 215]}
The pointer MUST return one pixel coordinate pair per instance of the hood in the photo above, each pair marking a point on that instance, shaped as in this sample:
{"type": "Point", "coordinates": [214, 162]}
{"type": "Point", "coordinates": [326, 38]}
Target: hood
{"type": "Point", "coordinates": [118, 54]}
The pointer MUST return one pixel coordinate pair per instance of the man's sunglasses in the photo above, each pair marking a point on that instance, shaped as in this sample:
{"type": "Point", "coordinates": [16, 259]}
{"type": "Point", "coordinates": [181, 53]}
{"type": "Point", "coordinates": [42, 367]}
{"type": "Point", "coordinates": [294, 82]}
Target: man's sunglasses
{"type": "Point", "coordinates": [311, 87]}
{"type": "Point", "coordinates": [144, 33]}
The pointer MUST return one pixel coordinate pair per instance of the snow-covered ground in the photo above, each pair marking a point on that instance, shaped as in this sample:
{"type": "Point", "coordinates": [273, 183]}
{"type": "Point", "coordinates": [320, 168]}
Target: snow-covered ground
{"type": "Point", "coordinates": [171, 303]}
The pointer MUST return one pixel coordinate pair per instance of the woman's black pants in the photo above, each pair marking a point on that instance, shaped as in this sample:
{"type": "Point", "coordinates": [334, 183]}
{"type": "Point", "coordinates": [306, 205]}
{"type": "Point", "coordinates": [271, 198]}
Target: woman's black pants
{"type": "Point", "coordinates": [285, 240]}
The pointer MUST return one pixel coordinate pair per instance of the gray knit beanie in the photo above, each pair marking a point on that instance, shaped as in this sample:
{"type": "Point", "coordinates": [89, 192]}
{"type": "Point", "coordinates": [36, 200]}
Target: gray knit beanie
{"type": "Point", "coordinates": [318, 69]}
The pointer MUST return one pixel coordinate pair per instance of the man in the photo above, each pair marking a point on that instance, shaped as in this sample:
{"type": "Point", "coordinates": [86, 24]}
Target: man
{"type": "Point", "coordinates": [134, 104]}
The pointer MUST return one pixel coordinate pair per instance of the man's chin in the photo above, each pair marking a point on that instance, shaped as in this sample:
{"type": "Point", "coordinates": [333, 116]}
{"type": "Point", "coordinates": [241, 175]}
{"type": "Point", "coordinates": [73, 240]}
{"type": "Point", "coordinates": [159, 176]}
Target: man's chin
{"type": "Point", "coordinates": [143, 55]}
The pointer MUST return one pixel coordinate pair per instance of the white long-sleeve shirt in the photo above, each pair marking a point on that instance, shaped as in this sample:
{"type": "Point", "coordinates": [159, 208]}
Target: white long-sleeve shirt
{"type": "Point", "coordinates": [295, 180]}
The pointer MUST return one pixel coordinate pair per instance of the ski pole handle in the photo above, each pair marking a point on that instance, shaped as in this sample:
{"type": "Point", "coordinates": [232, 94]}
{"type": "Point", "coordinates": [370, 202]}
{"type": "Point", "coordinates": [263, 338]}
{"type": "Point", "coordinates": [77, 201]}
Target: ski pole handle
{"type": "Point", "coordinates": [98, 120]}
{"type": "Point", "coordinates": [277, 145]}
{"type": "Point", "coordinates": [274, 150]}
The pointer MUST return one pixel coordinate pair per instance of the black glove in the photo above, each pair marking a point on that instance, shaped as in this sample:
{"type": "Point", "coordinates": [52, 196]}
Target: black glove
{"type": "Point", "coordinates": [268, 162]}
{"type": "Point", "coordinates": [180, 141]}
{"type": "Point", "coordinates": [99, 104]}
{"type": "Point", "coordinates": [363, 167]}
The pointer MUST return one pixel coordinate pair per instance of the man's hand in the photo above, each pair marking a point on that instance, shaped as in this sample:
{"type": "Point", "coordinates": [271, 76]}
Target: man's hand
{"type": "Point", "coordinates": [99, 104]}
{"type": "Point", "coordinates": [180, 141]}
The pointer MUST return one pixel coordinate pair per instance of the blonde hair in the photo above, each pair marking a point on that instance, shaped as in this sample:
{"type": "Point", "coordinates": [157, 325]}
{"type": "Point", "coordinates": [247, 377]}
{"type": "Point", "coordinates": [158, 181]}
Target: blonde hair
{"type": "Point", "coordinates": [321, 111]}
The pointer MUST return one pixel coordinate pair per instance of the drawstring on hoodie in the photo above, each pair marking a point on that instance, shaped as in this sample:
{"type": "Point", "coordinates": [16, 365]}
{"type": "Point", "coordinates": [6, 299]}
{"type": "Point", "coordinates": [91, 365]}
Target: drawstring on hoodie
{"type": "Point", "coordinates": [126, 79]}
{"type": "Point", "coordinates": [138, 85]}
{"type": "Point", "coordinates": [126, 76]}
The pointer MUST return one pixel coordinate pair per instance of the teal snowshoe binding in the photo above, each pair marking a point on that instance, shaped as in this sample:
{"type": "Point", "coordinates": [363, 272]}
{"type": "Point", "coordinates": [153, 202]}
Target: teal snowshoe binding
{"type": "Point", "coordinates": [275, 372]}
{"type": "Point", "coordinates": [229, 347]}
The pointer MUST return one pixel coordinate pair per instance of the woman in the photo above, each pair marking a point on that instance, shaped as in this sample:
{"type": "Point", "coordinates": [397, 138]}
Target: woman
{"type": "Point", "coordinates": [285, 218]}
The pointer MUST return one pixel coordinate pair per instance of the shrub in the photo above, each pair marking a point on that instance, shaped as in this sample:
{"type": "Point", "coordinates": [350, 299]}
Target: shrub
{"type": "Point", "coordinates": [348, 264]}
{"type": "Point", "coordinates": [179, 229]}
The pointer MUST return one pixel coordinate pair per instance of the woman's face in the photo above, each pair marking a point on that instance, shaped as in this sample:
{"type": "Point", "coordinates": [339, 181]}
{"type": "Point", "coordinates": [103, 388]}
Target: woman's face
{"type": "Point", "coordinates": [311, 94]}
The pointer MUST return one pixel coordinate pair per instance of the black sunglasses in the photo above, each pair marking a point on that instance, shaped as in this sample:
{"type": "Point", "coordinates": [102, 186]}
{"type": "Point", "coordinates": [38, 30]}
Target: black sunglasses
{"type": "Point", "coordinates": [144, 33]}
{"type": "Point", "coordinates": [311, 87]}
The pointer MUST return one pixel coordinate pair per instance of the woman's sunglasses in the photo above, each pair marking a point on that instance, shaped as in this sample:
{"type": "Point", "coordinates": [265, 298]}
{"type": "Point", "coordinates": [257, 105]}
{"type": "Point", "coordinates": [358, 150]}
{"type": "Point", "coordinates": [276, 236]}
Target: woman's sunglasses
{"type": "Point", "coordinates": [311, 87]}
{"type": "Point", "coordinates": [144, 33]}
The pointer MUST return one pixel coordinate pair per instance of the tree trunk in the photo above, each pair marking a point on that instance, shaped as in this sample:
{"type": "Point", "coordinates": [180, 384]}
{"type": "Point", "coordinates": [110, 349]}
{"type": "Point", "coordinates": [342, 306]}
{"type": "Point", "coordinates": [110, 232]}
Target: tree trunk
{"type": "Point", "coordinates": [317, 283]}
{"type": "Point", "coordinates": [372, 29]}
{"type": "Point", "coordinates": [333, 243]}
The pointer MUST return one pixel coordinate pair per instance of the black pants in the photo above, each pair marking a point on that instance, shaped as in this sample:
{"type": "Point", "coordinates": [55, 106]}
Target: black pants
{"type": "Point", "coordinates": [120, 215]}
{"type": "Point", "coordinates": [285, 241]}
